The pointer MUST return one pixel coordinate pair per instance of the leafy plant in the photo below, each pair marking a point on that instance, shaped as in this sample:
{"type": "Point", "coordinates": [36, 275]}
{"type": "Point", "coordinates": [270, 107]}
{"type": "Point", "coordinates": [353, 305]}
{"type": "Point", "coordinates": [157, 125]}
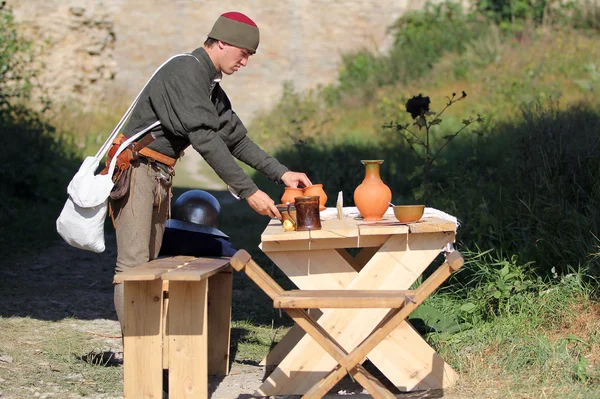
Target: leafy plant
{"type": "Point", "coordinates": [497, 286]}
{"type": "Point", "coordinates": [428, 319]}
{"type": "Point", "coordinates": [541, 12]}
{"type": "Point", "coordinates": [418, 108]}
{"type": "Point", "coordinates": [421, 38]}
{"type": "Point", "coordinates": [15, 59]}
{"type": "Point", "coordinates": [37, 160]}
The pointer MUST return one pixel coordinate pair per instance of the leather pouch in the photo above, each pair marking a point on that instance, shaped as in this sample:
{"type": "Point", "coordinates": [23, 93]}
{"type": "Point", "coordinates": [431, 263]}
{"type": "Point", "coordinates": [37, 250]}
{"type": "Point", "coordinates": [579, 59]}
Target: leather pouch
{"type": "Point", "coordinates": [122, 179]}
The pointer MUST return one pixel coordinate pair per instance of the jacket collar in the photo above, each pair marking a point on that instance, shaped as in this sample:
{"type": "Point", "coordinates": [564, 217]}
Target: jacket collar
{"type": "Point", "coordinates": [204, 59]}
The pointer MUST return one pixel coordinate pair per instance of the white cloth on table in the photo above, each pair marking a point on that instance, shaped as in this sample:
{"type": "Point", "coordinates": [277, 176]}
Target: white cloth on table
{"type": "Point", "coordinates": [351, 212]}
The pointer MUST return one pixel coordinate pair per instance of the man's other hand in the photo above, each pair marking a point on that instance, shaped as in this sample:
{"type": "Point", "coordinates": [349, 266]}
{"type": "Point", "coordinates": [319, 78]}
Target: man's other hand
{"type": "Point", "coordinates": [294, 179]}
{"type": "Point", "coordinates": [263, 204]}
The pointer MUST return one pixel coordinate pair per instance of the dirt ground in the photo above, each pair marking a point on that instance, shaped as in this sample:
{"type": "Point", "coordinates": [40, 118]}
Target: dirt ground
{"type": "Point", "coordinates": [64, 283]}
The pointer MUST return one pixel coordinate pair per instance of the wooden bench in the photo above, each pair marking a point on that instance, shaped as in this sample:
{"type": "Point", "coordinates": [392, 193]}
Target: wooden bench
{"type": "Point", "coordinates": [177, 317]}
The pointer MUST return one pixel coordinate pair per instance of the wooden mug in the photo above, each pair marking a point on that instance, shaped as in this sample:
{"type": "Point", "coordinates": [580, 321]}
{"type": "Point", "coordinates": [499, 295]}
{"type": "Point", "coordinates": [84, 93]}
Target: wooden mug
{"type": "Point", "coordinates": [307, 213]}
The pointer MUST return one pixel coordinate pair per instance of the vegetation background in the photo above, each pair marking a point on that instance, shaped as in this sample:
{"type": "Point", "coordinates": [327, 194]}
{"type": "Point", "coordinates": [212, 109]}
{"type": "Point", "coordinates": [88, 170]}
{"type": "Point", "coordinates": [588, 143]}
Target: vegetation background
{"type": "Point", "coordinates": [522, 316]}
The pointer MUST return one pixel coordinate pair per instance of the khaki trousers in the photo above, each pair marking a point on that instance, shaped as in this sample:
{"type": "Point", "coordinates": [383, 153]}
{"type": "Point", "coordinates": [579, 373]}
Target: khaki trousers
{"type": "Point", "coordinates": [140, 218]}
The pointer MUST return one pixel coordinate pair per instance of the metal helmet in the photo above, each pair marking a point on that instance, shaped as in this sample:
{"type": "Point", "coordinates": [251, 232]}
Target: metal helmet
{"type": "Point", "coordinates": [199, 207]}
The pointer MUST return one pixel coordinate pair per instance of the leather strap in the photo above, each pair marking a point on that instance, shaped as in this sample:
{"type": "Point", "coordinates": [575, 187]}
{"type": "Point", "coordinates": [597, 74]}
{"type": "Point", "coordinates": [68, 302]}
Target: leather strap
{"type": "Point", "coordinates": [157, 156]}
{"type": "Point", "coordinates": [146, 140]}
{"type": "Point", "coordinates": [142, 149]}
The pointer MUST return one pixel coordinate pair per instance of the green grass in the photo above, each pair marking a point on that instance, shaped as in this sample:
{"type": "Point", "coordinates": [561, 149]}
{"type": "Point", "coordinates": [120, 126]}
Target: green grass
{"type": "Point", "coordinates": [46, 360]}
{"type": "Point", "coordinates": [253, 341]}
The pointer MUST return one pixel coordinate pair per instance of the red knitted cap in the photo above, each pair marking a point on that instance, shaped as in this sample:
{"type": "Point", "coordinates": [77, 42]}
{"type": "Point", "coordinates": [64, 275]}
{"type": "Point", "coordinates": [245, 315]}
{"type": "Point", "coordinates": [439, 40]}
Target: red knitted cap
{"type": "Point", "coordinates": [238, 16]}
{"type": "Point", "coordinates": [236, 29]}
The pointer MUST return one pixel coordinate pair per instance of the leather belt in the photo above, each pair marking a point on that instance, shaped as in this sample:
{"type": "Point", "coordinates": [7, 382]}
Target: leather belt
{"type": "Point", "coordinates": [149, 153]}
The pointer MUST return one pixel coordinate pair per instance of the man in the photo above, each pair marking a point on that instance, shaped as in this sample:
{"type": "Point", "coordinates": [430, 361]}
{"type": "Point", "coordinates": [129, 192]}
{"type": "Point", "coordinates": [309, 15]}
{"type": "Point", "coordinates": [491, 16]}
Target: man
{"type": "Point", "coordinates": [185, 96]}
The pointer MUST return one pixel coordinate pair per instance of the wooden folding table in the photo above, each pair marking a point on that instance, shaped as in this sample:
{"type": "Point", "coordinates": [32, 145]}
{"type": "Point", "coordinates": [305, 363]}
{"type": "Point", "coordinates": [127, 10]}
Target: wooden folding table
{"type": "Point", "coordinates": [392, 257]}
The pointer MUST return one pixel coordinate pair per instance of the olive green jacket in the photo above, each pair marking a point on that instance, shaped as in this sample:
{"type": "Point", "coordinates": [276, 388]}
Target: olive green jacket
{"type": "Point", "coordinates": [179, 96]}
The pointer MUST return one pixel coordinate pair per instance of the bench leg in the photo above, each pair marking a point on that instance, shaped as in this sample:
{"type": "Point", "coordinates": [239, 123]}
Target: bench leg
{"type": "Point", "coordinates": [142, 339]}
{"type": "Point", "coordinates": [219, 322]}
{"type": "Point", "coordinates": [188, 339]}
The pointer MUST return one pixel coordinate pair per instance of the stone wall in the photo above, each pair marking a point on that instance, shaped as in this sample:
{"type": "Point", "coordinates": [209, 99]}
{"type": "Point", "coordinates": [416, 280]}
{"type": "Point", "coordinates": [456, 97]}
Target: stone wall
{"type": "Point", "coordinates": [90, 42]}
{"type": "Point", "coordinates": [75, 46]}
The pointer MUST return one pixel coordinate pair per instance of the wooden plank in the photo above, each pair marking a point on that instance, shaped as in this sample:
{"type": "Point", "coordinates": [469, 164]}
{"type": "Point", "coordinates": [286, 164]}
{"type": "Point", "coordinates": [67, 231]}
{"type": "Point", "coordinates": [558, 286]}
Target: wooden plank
{"type": "Point", "coordinates": [142, 340]}
{"type": "Point", "coordinates": [319, 269]}
{"type": "Point", "coordinates": [151, 270]}
{"type": "Point", "coordinates": [197, 269]}
{"type": "Point", "coordinates": [331, 229]}
{"type": "Point", "coordinates": [346, 294]}
{"type": "Point", "coordinates": [262, 279]}
{"type": "Point", "coordinates": [163, 328]}
{"type": "Point", "coordinates": [348, 258]}
{"type": "Point", "coordinates": [327, 299]}
{"type": "Point", "coordinates": [395, 266]}
{"type": "Point", "coordinates": [432, 225]}
{"type": "Point", "coordinates": [351, 228]}
{"type": "Point", "coordinates": [312, 302]}
{"type": "Point", "coordinates": [219, 322]}
{"type": "Point", "coordinates": [329, 243]}
{"type": "Point", "coordinates": [141, 274]}
{"type": "Point", "coordinates": [188, 339]}
{"type": "Point", "coordinates": [364, 256]}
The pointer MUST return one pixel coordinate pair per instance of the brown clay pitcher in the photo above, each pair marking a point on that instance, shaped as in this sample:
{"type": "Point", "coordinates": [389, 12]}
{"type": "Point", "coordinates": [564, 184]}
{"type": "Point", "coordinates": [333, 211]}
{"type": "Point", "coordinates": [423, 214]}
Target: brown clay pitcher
{"type": "Point", "coordinates": [290, 193]}
{"type": "Point", "coordinates": [307, 213]}
{"type": "Point", "coordinates": [317, 190]}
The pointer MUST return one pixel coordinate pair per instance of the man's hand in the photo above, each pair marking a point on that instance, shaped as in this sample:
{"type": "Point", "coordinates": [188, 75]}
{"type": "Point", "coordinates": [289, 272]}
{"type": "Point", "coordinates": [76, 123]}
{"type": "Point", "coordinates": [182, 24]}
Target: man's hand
{"type": "Point", "coordinates": [293, 179]}
{"type": "Point", "coordinates": [263, 204]}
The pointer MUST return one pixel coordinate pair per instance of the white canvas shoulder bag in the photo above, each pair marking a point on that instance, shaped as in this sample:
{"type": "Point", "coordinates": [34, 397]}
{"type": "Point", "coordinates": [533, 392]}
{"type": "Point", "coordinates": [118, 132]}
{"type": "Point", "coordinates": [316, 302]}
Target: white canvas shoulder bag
{"type": "Point", "coordinates": [81, 221]}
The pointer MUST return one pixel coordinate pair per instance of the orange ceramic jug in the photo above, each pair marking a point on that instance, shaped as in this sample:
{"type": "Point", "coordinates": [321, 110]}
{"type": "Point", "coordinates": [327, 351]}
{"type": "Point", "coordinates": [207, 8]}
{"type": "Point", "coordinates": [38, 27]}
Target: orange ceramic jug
{"type": "Point", "coordinates": [290, 193]}
{"type": "Point", "coordinates": [317, 190]}
{"type": "Point", "coordinates": [372, 197]}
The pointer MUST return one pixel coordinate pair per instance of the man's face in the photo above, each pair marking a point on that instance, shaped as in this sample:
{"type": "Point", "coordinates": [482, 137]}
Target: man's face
{"type": "Point", "coordinates": [233, 59]}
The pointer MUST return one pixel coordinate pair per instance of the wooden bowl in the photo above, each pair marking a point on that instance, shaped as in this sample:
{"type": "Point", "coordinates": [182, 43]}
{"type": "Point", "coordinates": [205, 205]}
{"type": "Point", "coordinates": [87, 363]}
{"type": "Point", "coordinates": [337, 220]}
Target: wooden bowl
{"type": "Point", "coordinates": [408, 213]}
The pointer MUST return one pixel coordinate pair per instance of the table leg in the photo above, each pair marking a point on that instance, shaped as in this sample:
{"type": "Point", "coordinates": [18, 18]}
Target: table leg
{"type": "Point", "coordinates": [287, 343]}
{"type": "Point", "coordinates": [188, 339]}
{"type": "Point", "coordinates": [404, 357]}
{"type": "Point", "coordinates": [219, 322]}
{"type": "Point", "coordinates": [293, 336]}
{"type": "Point", "coordinates": [142, 339]}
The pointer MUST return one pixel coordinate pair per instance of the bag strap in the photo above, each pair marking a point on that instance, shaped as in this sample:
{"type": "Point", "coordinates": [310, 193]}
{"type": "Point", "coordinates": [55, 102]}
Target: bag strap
{"type": "Point", "coordinates": [107, 144]}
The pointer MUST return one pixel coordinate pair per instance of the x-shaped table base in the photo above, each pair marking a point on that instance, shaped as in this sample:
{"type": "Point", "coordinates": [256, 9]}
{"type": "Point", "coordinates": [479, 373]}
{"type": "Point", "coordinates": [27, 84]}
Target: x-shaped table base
{"type": "Point", "coordinates": [350, 362]}
{"type": "Point", "coordinates": [401, 355]}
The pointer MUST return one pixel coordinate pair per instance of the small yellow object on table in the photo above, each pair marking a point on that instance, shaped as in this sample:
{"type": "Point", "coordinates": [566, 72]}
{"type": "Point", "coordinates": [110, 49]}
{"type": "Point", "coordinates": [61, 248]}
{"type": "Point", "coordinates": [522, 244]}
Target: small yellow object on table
{"type": "Point", "coordinates": [288, 225]}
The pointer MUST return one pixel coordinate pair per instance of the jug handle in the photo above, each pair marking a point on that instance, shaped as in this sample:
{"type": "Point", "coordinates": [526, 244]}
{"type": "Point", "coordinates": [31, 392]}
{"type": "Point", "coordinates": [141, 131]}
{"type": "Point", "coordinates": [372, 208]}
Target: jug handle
{"type": "Point", "coordinates": [290, 212]}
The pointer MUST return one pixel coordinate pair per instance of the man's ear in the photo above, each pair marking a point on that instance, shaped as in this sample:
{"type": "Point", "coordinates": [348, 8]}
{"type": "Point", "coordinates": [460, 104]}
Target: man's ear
{"type": "Point", "coordinates": [221, 45]}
